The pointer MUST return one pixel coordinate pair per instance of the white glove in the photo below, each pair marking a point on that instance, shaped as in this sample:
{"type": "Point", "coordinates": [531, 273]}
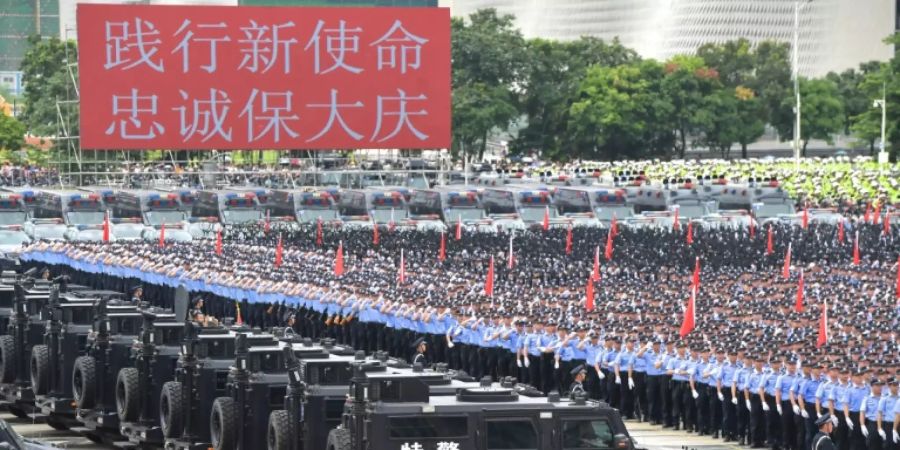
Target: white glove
{"type": "Point", "coordinates": [796, 409]}
{"type": "Point", "coordinates": [527, 361]}
{"type": "Point", "coordinates": [556, 365]}
{"type": "Point", "coordinates": [765, 406]}
{"type": "Point", "coordinates": [734, 400]}
{"type": "Point", "coordinates": [721, 397]}
{"type": "Point", "coordinates": [601, 375]}
{"type": "Point", "coordinates": [695, 394]}
{"type": "Point", "coordinates": [450, 344]}
{"type": "Point", "coordinates": [519, 363]}
{"type": "Point", "coordinates": [865, 431]}
{"type": "Point", "coordinates": [882, 434]}
{"type": "Point", "coordinates": [834, 420]}
{"type": "Point", "coordinates": [896, 437]}
{"type": "Point", "coordinates": [618, 379]}
{"type": "Point", "coordinates": [630, 383]}
{"type": "Point", "coordinates": [804, 414]}
{"type": "Point", "coordinates": [749, 408]}
{"type": "Point", "coordinates": [849, 423]}
{"type": "Point", "coordinates": [778, 408]}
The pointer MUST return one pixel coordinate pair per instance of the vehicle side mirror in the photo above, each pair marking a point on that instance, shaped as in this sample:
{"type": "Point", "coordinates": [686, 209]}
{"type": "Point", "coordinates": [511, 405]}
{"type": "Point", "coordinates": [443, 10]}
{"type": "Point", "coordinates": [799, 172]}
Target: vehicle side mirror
{"type": "Point", "coordinates": [7, 446]}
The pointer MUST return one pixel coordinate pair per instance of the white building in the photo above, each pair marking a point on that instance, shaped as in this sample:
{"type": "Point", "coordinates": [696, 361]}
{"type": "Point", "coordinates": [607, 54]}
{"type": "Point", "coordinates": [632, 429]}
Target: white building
{"type": "Point", "coordinates": [67, 8]}
{"type": "Point", "coordinates": [834, 34]}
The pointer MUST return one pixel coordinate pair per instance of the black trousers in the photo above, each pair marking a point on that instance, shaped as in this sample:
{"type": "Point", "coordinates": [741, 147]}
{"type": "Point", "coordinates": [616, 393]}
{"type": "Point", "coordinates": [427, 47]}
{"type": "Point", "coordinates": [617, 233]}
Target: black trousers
{"type": "Point", "coordinates": [715, 410]}
{"type": "Point", "coordinates": [701, 403]}
{"type": "Point", "coordinates": [757, 421]}
{"type": "Point", "coordinates": [654, 398]}
{"type": "Point", "coordinates": [678, 407]}
{"type": "Point", "coordinates": [665, 399]}
{"type": "Point", "coordinates": [627, 397]}
{"type": "Point", "coordinates": [857, 440]}
{"type": "Point", "coordinates": [743, 417]}
{"type": "Point", "coordinates": [788, 428]}
{"type": "Point", "coordinates": [641, 408]}
{"type": "Point", "coordinates": [874, 441]}
{"type": "Point", "coordinates": [729, 415]}
{"type": "Point", "coordinates": [773, 423]}
{"type": "Point", "coordinates": [841, 433]}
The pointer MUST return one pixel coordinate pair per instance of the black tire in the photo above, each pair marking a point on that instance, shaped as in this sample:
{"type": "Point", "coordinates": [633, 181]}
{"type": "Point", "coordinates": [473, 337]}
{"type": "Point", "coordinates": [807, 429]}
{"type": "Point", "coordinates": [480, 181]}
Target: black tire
{"type": "Point", "coordinates": [171, 409]}
{"type": "Point", "coordinates": [7, 359]}
{"type": "Point", "coordinates": [278, 436]}
{"type": "Point", "coordinates": [84, 382]}
{"type": "Point", "coordinates": [223, 424]}
{"type": "Point", "coordinates": [128, 400]}
{"type": "Point", "coordinates": [18, 412]}
{"type": "Point", "coordinates": [57, 424]}
{"type": "Point", "coordinates": [39, 367]}
{"type": "Point", "coordinates": [338, 439]}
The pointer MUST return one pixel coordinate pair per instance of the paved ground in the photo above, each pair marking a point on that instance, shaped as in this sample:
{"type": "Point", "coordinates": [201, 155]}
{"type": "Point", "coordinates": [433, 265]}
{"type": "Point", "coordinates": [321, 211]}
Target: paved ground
{"type": "Point", "coordinates": [647, 436]}
{"type": "Point", "coordinates": [656, 438]}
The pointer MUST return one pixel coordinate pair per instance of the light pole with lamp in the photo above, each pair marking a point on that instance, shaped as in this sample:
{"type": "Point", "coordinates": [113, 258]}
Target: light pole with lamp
{"type": "Point", "coordinates": [796, 75]}
{"type": "Point", "coordinates": [882, 102]}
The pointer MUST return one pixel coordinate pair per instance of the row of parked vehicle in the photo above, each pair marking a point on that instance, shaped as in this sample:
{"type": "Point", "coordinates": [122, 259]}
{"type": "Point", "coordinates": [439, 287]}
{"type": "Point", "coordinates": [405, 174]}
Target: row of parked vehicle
{"type": "Point", "coordinates": [490, 203]}
{"type": "Point", "coordinates": [136, 376]}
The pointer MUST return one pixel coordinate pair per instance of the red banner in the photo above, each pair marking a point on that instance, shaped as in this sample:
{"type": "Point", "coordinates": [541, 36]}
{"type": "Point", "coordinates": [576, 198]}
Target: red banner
{"type": "Point", "coordinates": [219, 77]}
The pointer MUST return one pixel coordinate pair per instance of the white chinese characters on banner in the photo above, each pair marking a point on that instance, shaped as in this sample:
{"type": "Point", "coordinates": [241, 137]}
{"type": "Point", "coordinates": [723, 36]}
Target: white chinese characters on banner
{"type": "Point", "coordinates": [186, 32]}
{"type": "Point", "coordinates": [129, 46]}
{"type": "Point", "coordinates": [402, 115]}
{"type": "Point", "coordinates": [440, 446]}
{"type": "Point", "coordinates": [135, 112]}
{"type": "Point", "coordinates": [204, 118]}
{"type": "Point", "coordinates": [398, 40]}
{"type": "Point", "coordinates": [263, 45]}
{"type": "Point", "coordinates": [339, 42]}
{"type": "Point", "coordinates": [274, 104]}
{"type": "Point", "coordinates": [335, 115]}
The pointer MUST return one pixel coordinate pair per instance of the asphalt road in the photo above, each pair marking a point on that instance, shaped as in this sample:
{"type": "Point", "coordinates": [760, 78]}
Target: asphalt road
{"type": "Point", "coordinates": [42, 432]}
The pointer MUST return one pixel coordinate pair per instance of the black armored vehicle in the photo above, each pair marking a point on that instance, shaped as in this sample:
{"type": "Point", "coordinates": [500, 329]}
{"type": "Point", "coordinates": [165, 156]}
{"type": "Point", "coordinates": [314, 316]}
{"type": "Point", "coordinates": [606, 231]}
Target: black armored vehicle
{"type": "Point", "coordinates": [395, 414]}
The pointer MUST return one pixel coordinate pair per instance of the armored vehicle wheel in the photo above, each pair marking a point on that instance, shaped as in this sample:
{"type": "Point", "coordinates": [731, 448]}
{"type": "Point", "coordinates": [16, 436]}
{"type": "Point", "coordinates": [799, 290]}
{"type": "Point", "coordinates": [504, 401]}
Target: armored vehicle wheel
{"type": "Point", "coordinates": [223, 424]}
{"type": "Point", "coordinates": [127, 395]}
{"type": "Point", "coordinates": [279, 435]}
{"type": "Point", "coordinates": [40, 369]}
{"type": "Point", "coordinates": [338, 439]}
{"type": "Point", "coordinates": [84, 381]}
{"type": "Point", "coordinates": [18, 412]}
{"type": "Point", "coordinates": [171, 411]}
{"type": "Point", "coordinates": [7, 359]}
{"type": "Point", "coordinates": [57, 424]}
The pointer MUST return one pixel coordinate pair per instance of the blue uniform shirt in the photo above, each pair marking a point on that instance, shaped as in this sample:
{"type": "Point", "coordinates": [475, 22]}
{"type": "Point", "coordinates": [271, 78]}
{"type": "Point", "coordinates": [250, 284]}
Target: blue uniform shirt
{"type": "Point", "coordinates": [754, 381]}
{"type": "Point", "coordinates": [808, 389]}
{"type": "Point", "coordinates": [888, 406]}
{"type": "Point", "coordinates": [624, 361]}
{"type": "Point", "coordinates": [856, 395]}
{"type": "Point", "coordinates": [726, 374]}
{"type": "Point", "coordinates": [872, 406]}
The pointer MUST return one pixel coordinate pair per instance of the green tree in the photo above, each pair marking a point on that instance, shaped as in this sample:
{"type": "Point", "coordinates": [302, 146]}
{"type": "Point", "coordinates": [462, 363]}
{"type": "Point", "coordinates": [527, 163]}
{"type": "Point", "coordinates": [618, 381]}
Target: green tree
{"type": "Point", "coordinates": [876, 82]}
{"type": "Point", "coordinates": [552, 75]}
{"type": "Point", "coordinates": [772, 85]}
{"type": "Point", "coordinates": [720, 122]}
{"type": "Point", "coordinates": [12, 133]}
{"type": "Point", "coordinates": [852, 99]}
{"type": "Point", "coordinates": [488, 55]}
{"type": "Point", "coordinates": [821, 111]}
{"type": "Point", "coordinates": [47, 80]}
{"type": "Point", "coordinates": [735, 61]}
{"type": "Point", "coordinates": [686, 84]}
{"type": "Point", "coordinates": [621, 114]}
{"type": "Point", "coordinates": [751, 115]}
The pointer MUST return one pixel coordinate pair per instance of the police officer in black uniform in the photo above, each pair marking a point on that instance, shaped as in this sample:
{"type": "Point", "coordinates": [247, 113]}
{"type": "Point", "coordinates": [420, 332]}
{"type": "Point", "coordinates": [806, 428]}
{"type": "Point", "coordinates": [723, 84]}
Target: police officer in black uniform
{"type": "Point", "coordinates": [577, 387]}
{"type": "Point", "coordinates": [137, 293]}
{"type": "Point", "coordinates": [420, 347]}
{"type": "Point", "coordinates": [822, 439]}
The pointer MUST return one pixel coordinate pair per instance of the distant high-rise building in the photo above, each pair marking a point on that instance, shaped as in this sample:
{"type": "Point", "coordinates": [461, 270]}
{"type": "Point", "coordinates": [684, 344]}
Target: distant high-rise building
{"type": "Point", "coordinates": [406, 3]}
{"type": "Point", "coordinates": [834, 34]}
{"type": "Point", "coordinates": [20, 19]}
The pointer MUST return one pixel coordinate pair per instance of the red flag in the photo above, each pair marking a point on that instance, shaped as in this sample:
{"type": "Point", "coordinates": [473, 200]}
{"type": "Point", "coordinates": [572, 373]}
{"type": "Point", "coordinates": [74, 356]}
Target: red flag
{"type": "Point", "coordinates": [162, 235]}
{"type": "Point", "coordinates": [877, 216]}
{"type": "Point", "coordinates": [752, 228]}
{"type": "Point", "coordinates": [770, 246]}
{"type": "Point", "coordinates": [868, 213]}
{"type": "Point", "coordinates": [238, 319]}
{"type": "Point", "coordinates": [401, 273]}
{"type": "Point", "coordinates": [695, 278]}
{"type": "Point", "coordinates": [489, 281]}
{"type": "Point", "coordinates": [589, 295]}
{"type": "Point", "coordinates": [687, 324]}
{"type": "Point", "coordinates": [458, 228]}
{"type": "Point", "coordinates": [798, 305]}
{"type": "Point", "coordinates": [546, 223]}
{"type": "Point", "coordinates": [279, 251]}
{"type": "Point", "coordinates": [841, 231]}
{"type": "Point", "coordinates": [391, 224]}
{"type": "Point", "coordinates": [887, 224]}
{"type": "Point", "coordinates": [856, 249]}
{"type": "Point", "coordinates": [823, 326]}
{"type": "Point", "coordinates": [614, 227]}
{"type": "Point", "coordinates": [319, 232]}
{"type": "Point", "coordinates": [375, 237]}
{"type": "Point", "coordinates": [690, 233]}
{"type": "Point", "coordinates": [609, 245]}
{"type": "Point", "coordinates": [898, 277]}
{"type": "Point", "coordinates": [219, 242]}
{"type": "Point", "coordinates": [511, 257]}
{"type": "Point", "coordinates": [595, 274]}
{"type": "Point", "coordinates": [786, 271]}
{"type": "Point", "coordinates": [339, 260]}
{"type": "Point", "coordinates": [267, 226]}
{"type": "Point", "coordinates": [442, 252]}
{"type": "Point", "coordinates": [805, 217]}
{"type": "Point", "coordinates": [569, 241]}
{"type": "Point", "coordinates": [676, 225]}
{"type": "Point", "coordinates": [106, 227]}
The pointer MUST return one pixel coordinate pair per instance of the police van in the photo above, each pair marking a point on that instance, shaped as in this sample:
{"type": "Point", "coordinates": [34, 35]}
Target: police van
{"type": "Point", "coordinates": [519, 207]}
{"type": "Point", "coordinates": [375, 206]}
{"type": "Point", "coordinates": [306, 205]}
{"type": "Point", "coordinates": [69, 215]}
{"type": "Point", "coordinates": [443, 207]}
{"type": "Point", "coordinates": [225, 207]}
{"type": "Point", "coordinates": [151, 210]}
{"type": "Point", "coordinates": [682, 194]}
{"type": "Point", "coordinates": [593, 205]}
{"type": "Point", "coordinates": [13, 217]}
{"type": "Point", "coordinates": [127, 229]}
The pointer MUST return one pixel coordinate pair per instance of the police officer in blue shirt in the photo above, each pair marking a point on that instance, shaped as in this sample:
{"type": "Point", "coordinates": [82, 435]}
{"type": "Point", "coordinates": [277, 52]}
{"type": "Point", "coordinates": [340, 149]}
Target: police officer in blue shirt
{"type": "Point", "coordinates": [623, 367]}
{"type": "Point", "coordinates": [593, 348]}
{"type": "Point", "coordinates": [868, 417]}
{"type": "Point", "coordinates": [675, 369]}
{"type": "Point", "coordinates": [648, 379]}
{"type": "Point", "coordinates": [888, 415]}
{"type": "Point", "coordinates": [851, 403]}
{"type": "Point", "coordinates": [771, 406]}
{"type": "Point", "coordinates": [754, 399]}
{"type": "Point", "coordinates": [723, 380]}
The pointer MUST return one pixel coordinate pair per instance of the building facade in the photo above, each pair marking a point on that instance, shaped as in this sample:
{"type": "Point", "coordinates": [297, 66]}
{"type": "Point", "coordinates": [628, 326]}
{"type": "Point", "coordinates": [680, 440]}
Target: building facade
{"type": "Point", "coordinates": [834, 34]}
{"type": "Point", "coordinates": [20, 19]}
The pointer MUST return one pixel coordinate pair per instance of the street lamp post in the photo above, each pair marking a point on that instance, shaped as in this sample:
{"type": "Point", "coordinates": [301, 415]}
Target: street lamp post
{"type": "Point", "coordinates": [795, 60]}
{"type": "Point", "coordinates": [882, 155]}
